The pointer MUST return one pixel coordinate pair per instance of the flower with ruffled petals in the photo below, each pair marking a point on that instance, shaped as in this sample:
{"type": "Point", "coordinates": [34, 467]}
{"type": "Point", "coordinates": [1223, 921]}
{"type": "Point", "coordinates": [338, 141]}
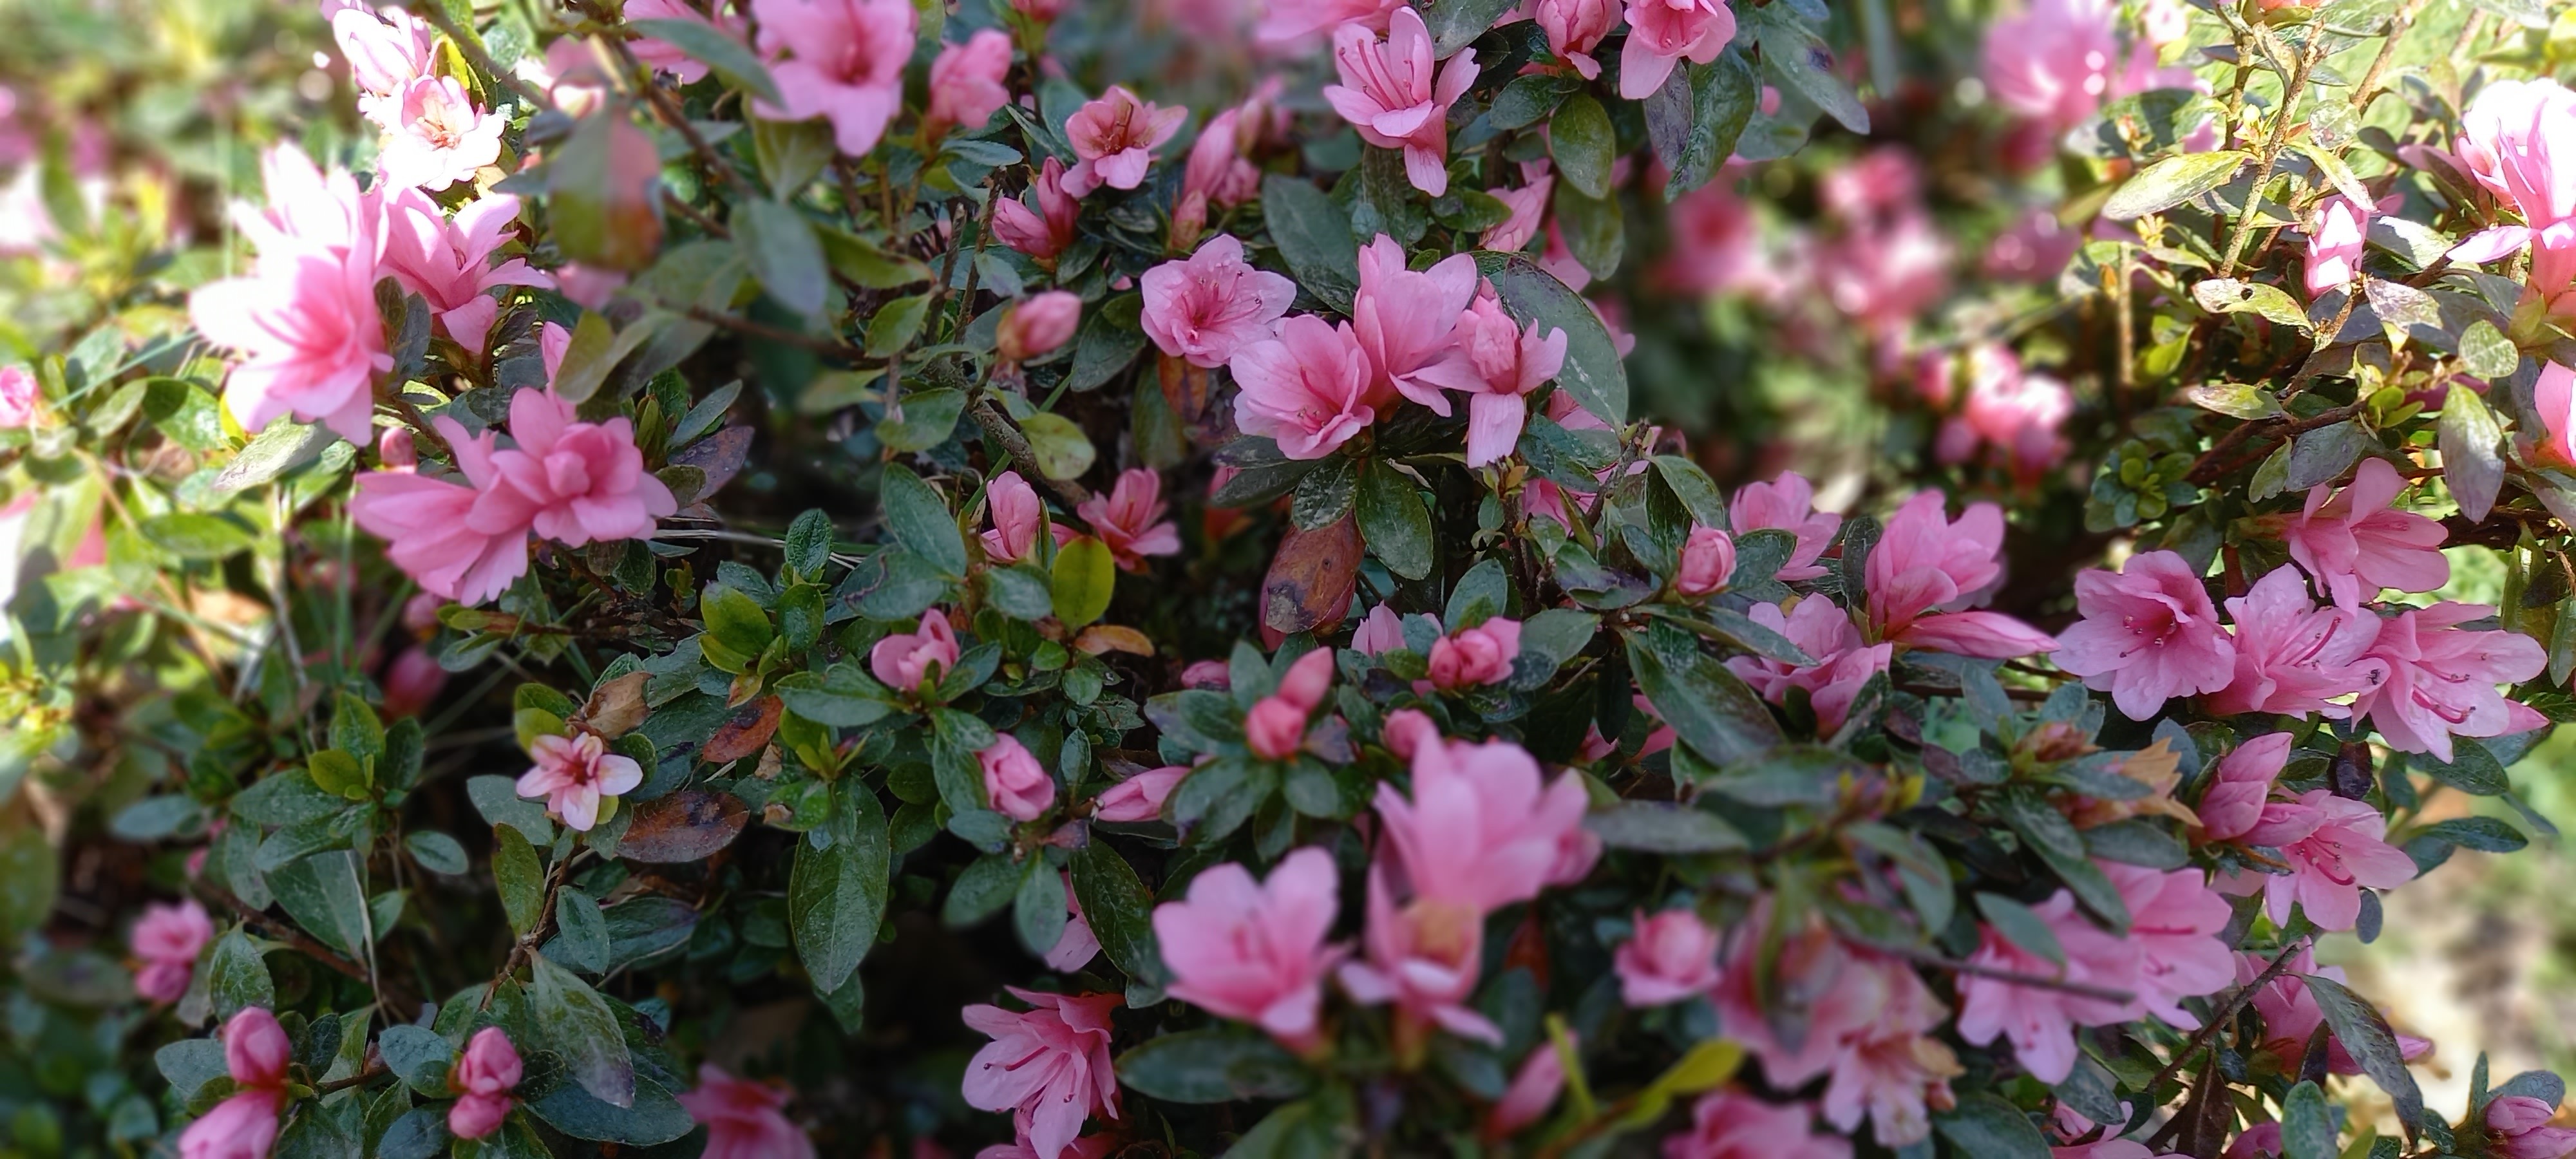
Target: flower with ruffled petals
{"type": "Point", "coordinates": [1928, 569]}
{"type": "Point", "coordinates": [1866, 1018]}
{"type": "Point", "coordinates": [2148, 634]}
{"type": "Point", "coordinates": [2292, 656]}
{"type": "Point", "coordinates": [966, 80]}
{"type": "Point", "coordinates": [579, 778]}
{"type": "Point", "coordinates": [1423, 956]}
{"type": "Point", "coordinates": [1206, 307]}
{"type": "Point", "coordinates": [1114, 139]}
{"type": "Point", "coordinates": [570, 481]}
{"type": "Point", "coordinates": [1126, 519]}
{"type": "Point", "coordinates": [2518, 1128]}
{"type": "Point", "coordinates": [1308, 389]}
{"type": "Point", "coordinates": [2334, 243]}
{"type": "Point", "coordinates": [1844, 662]}
{"type": "Point", "coordinates": [1480, 830]}
{"type": "Point", "coordinates": [448, 263]}
{"type": "Point", "coordinates": [2176, 924]}
{"type": "Point", "coordinates": [439, 136]}
{"type": "Point", "coordinates": [428, 523]}
{"type": "Point", "coordinates": [2040, 1023]}
{"type": "Point", "coordinates": [1049, 1065]}
{"type": "Point", "coordinates": [304, 320]}
{"type": "Point", "coordinates": [2442, 680]}
{"type": "Point", "coordinates": [168, 940]}
{"type": "Point", "coordinates": [743, 1118]}
{"type": "Point", "coordinates": [1508, 361]}
{"type": "Point", "coordinates": [1787, 503]}
{"type": "Point", "coordinates": [1043, 232]}
{"type": "Point", "coordinates": [1407, 321]}
{"type": "Point", "coordinates": [2355, 544]}
{"type": "Point", "coordinates": [1252, 951]}
{"type": "Point", "coordinates": [1392, 94]}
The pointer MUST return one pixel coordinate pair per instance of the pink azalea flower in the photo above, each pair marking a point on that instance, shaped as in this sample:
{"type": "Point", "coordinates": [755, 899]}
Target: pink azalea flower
{"type": "Point", "coordinates": [1075, 946]}
{"type": "Point", "coordinates": [1707, 563]}
{"type": "Point", "coordinates": [1390, 92]}
{"type": "Point", "coordinates": [439, 136]}
{"type": "Point", "coordinates": [244, 1125]}
{"type": "Point", "coordinates": [1886, 271]}
{"type": "Point", "coordinates": [1036, 325]}
{"type": "Point", "coordinates": [844, 62]}
{"type": "Point", "coordinates": [18, 395]}
{"type": "Point", "coordinates": [2518, 1126]}
{"type": "Point", "coordinates": [2041, 1023]}
{"type": "Point", "coordinates": [966, 80]}
{"type": "Point", "coordinates": [1014, 781]}
{"type": "Point", "coordinates": [1480, 831]}
{"type": "Point", "coordinates": [2442, 681]}
{"type": "Point", "coordinates": [1786, 503]}
{"type": "Point", "coordinates": [569, 481]}
{"type": "Point", "coordinates": [665, 57]}
{"type": "Point", "coordinates": [1528, 204]}
{"type": "Point", "coordinates": [2175, 924]}
{"type": "Point", "coordinates": [1508, 362]}
{"type": "Point", "coordinates": [1730, 1125]}
{"type": "Point", "coordinates": [2291, 1015]}
{"type": "Point", "coordinates": [168, 940]}
{"type": "Point", "coordinates": [2034, 249]}
{"type": "Point", "coordinates": [2017, 414]}
{"type": "Point", "coordinates": [2060, 61]}
{"type": "Point", "coordinates": [1423, 957]}
{"type": "Point", "coordinates": [2104, 1149]}
{"type": "Point", "coordinates": [387, 49]}
{"type": "Point", "coordinates": [2334, 243]}
{"type": "Point", "coordinates": [2238, 804]}
{"type": "Point", "coordinates": [742, 1118]}
{"type": "Point", "coordinates": [1114, 139]}
{"type": "Point", "coordinates": [304, 320]}
{"type": "Point", "coordinates": [2328, 868]}
{"type": "Point", "coordinates": [2260, 1141]}
{"type": "Point", "coordinates": [2355, 543]}
{"type": "Point", "coordinates": [904, 660]}
{"type": "Point", "coordinates": [1662, 33]}
{"type": "Point", "coordinates": [2148, 634]}
{"type": "Point", "coordinates": [1212, 675]}
{"type": "Point", "coordinates": [428, 523]}
{"type": "Point", "coordinates": [1574, 28]}
{"type": "Point", "coordinates": [2509, 140]}
{"type": "Point", "coordinates": [2293, 657]}
{"type": "Point", "coordinates": [1207, 307]}
{"type": "Point", "coordinates": [1255, 952]}
{"type": "Point", "coordinates": [1407, 321]}
{"type": "Point", "coordinates": [1866, 1020]}
{"type": "Point", "coordinates": [1140, 797]}
{"type": "Point", "coordinates": [587, 286]}
{"type": "Point", "coordinates": [1927, 569]}
{"type": "Point", "coordinates": [412, 681]}
{"type": "Point", "coordinates": [1016, 511]}
{"type": "Point", "coordinates": [1843, 663]}
{"type": "Point", "coordinates": [484, 1077]}
{"type": "Point", "coordinates": [1381, 631]}
{"type": "Point", "coordinates": [1288, 20]}
{"type": "Point", "coordinates": [1041, 233]}
{"type": "Point", "coordinates": [1276, 726]}
{"type": "Point", "coordinates": [1718, 247]}
{"type": "Point", "coordinates": [1408, 731]}
{"type": "Point", "coordinates": [1671, 956]}
{"type": "Point", "coordinates": [1126, 519]}
{"type": "Point", "coordinates": [1534, 1089]}
{"type": "Point", "coordinates": [1049, 1066]}
{"type": "Point", "coordinates": [1474, 656]}
{"type": "Point", "coordinates": [1308, 389]}
{"type": "Point", "coordinates": [448, 263]}
{"type": "Point", "coordinates": [579, 778]}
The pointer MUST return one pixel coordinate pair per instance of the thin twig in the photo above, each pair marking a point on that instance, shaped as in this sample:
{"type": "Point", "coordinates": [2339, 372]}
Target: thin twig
{"type": "Point", "coordinates": [283, 932]}
{"type": "Point", "coordinates": [373, 1072]}
{"type": "Point", "coordinates": [2280, 135]}
{"type": "Point", "coordinates": [2397, 25]}
{"type": "Point", "coordinates": [1017, 446]}
{"type": "Point", "coordinates": [2210, 466]}
{"type": "Point", "coordinates": [824, 346]}
{"type": "Point", "coordinates": [2223, 1015]}
{"type": "Point", "coordinates": [2016, 977]}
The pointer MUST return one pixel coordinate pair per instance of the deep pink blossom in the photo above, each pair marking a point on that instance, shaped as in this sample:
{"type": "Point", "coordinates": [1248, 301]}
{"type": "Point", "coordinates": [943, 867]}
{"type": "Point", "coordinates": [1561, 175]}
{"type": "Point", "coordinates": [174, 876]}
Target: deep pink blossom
{"type": "Point", "coordinates": [2291, 1015]}
{"type": "Point", "coordinates": [1534, 1088]}
{"type": "Point", "coordinates": [1036, 325]}
{"type": "Point", "coordinates": [428, 523]}
{"type": "Point", "coordinates": [1208, 306]}
{"type": "Point", "coordinates": [2061, 60]}
{"type": "Point", "coordinates": [1670, 956]}
{"type": "Point", "coordinates": [1787, 503]}
{"type": "Point", "coordinates": [1308, 389]}
{"type": "Point", "coordinates": [1508, 362]}
{"type": "Point", "coordinates": [1886, 271]}
{"type": "Point", "coordinates": [570, 481]}
{"type": "Point", "coordinates": [244, 1125]}
{"type": "Point", "coordinates": [1474, 656]}
{"type": "Point", "coordinates": [1574, 28]}
{"type": "Point", "coordinates": [1391, 92]}
{"type": "Point", "coordinates": [2334, 243]}
{"type": "Point", "coordinates": [1126, 519]}
{"type": "Point", "coordinates": [1049, 1066]}
{"type": "Point", "coordinates": [1718, 247]}
{"type": "Point", "coordinates": [18, 395]}
{"type": "Point", "coordinates": [1211, 675]}
{"type": "Point", "coordinates": [2238, 803]}
{"type": "Point", "coordinates": [1423, 957]}
{"type": "Point", "coordinates": [1407, 731]}
{"type": "Point", "coordinates": [579, 778]}
{"type": "Point", "coordinates": [1844, 663]}
{"type": "Point", "coordinates": [448, 263]}
{"type": "Point", "coordinates": [1016, 512]}
{"type": "Point", "coordinates": [1707, 562]}
{"type": "Point", "coordinates": [1480, 830]}
{"type": "Point", "coordinates": [484, 1077]}
{"type": "Point", "coordinates": [2329, 866]}
{"type": "Point", "coordinates": [304, 319]}
{"type": "Point", "coordinates": [2017, 414]}
{"type": "Point", "coordinates": [1013, 780]}
{"type": "Point", "coordinates": [1276, 726]}
{"type": "Point", "coordinates": [2176, 923]}
{"type": "Point", "coordinates": [1927, 570]}
{"type": "Point", "coordinates": [1527, 203]}
{"type": "Point", "coordinates": [1114, 138]}
{"type": "Point", "coordinates": [666, 57]}
{"type": "Point", "coordinates": [1140, 797]}
{"type": "Point", "coordinates": [1728, 1124]}
{"type": "Point", "coordinates": [2442, 680]}
{"type": "Point", "coordinates": [743, 1118]}
{"type": "Point", "coordinates": [966, 80]}
{"type": "Point", "coordinates": [2355, 544]}
{"type": "Point", "coordinates": [168, 939]}
{"type": "Point", "coordinates": [2148, 634]}
{"type": "Point", "coordinates": [1663, 33]}
{"type": "Point", "coordinates": [2034, 249]}
{"type": "Point", "coordinates": [439, 136]}
{"type": "Point", "coordinates": [2040, 1023]}
{"type": "Point", "coordinates": [2554, 397]}
{"type": "Point", "coordinates": [1255, 952]}
{"type": "Point", "coordinates": [1407, 321]}
{"type": "Point", "coordinates": [844, 62]}
{"type": "Point", "coordinates": [1866, 1020]}
{"type": "Point", "coordinates": [2292, 656]}
{"type": "Point", "coordinates": [2518, 1127]}
{"type": "Point", "coordinates": [903, 660]}
{"type": "Point", "coordinates": [1041, 233]}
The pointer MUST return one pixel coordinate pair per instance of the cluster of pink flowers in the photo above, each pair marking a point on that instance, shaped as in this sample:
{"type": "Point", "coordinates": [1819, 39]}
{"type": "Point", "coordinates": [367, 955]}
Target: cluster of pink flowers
{"type": "Point", "coordinates": [2059, 62]}
{"type": "Point", "coordinates": [2333, 847]}
{"type": "Point", "coordinates": [2509, 141]}
{"type": "Point", "coordinates": [256, 1052]}
{"type": "Point", "coordinates": [434, 135]}
{"type": "Point", "coordinates": [1866, 1022]}
{"type": "Point", "coordinates": [168, 940]}
{"type": "Point", "coordinates": [1995, 404]}
{"type": "Point", "coordinates": [485, 1075]}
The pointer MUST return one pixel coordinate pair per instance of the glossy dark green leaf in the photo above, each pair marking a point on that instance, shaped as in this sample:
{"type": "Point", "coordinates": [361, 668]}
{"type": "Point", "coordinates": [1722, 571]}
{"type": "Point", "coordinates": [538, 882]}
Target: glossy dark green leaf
{"type": "Point", "coordinates": [1313, 236]}
{"type": "Point", "coordinates": [572, 1020]}
{"type": "Point", "coordinates": [1119, 910]}
{"type": "Point", "coordinates": [1983, 1126]}
{"type": "Point", "coordinates": [836, 896]}
{"type": "Point", "coordinates": [2365, 1036]}
{"type": "Point", "coordinates": [1218, 1065]}
{"type": "Point", "coordinates": [1579, 137]}
{"type": "Point", "coordinates": [919, 519]}
{"type": "Point", "coordinates": [1594, 373]}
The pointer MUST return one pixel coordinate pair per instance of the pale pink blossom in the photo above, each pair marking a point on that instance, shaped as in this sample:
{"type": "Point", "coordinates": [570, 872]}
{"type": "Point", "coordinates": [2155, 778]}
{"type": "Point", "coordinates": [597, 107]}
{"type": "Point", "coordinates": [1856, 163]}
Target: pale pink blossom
{"type": "Point", "coordinates": [1381, 631]}
{"type": "Point", "coordinates": [1407, 322]}
{"type": "Point", "coordinates": [844, 62]}
{"type": "Point", "coordinates": [448, 263]}
{"type": "Point", "coordinates": [2015, 413]}
{"type": "Point", "coordinates": [1283, 21]}
{"type": "Point", "coordinates": [304, 321]}
{"type": "Point", "coordinates": [1255, 952]}
{"type": "Point", "coordinates": [387, 49]}
{"type": "Point", "coordinates": [1114, 138]}
{"type": "Point", "coordinates": [589, 286]}
{"type": "Point", "coordinates": [2291, 1016]}
{"type": "Point", "coordinates": [1475, 656]}
{"type": "Point", "coordinates": [1423, 957]}
{"type": "Point", "coordinates": [1392, 94]}
{"type": "Point", "coordinates": [2294, 657]}
{"type": "Point", "coordinates": [2040, 1023]}
{"type": "Point", "coordinates": [2334, 243]}
{"type": "Point", "coordinates": [168, 939]}
{"type": "Point", "coordinates": [244, 1125]}
{"type": "Point", "coordinates": [966, 80]}
{"type": "Point", "coordinates": [2329, 867]}
{"type": "Point", "coordinates": [1212, 675]}
{"type": "Point", "coordinates": [1207, 307]}
{"type": "Point", "coordinates": [1036, 325]}
{"type": "Point", "coordinates": [2062, 60]}
{"type": "Point", "coordinates": [573, 73]}
{"type": "Point", "coordinates": [1534, 1088]}
{"type": "Point", "coordinates": [665, 57]}
{"type": "Point", "coordinates": [1574, 28]}
{"type": "Point", "coordinates": [1884, 272]}
{"type": "Point", "coordinates": [1276, 726]}
{"type": "Point", "coordinates": [1140, 797]}
{"type": "Point", "coordinates": [1219, 171]}
{"type": "Point", "coordinates": [1043, 232]}
{"type": "Point", "coordinates": [1480, 830]}
{"type": "Point", "coordinates": [1507, 362]}
{"type": "Point", "coordinates": [579, 778]}
{"type": "Point", "coordinates": [2510, 138]}
{"type": "Point", "coordinates": [1013, 780]}
{"type": "Point", "coordinates": [743, 1118]}
{"type": "Point", "coordinates": [1528, 206]}
{"type": "Point", "coordinates": [2355, 543]}
{"type": "Point", "coordinates": [2034, 249]}
{"type": "Point", "coordinates": [2148, 634]}
{"type": "Point", "coordinates": [570, 481]}
{"type": "Point", "coordinates": [1866, 1021]}
{"type": "Point", "coordinates": [2442, 680]}
{"type": "Point", "coordinates": [439, 136]}
{"type": "Point", "coordinates": [1308, 389]}
{"type": "Point", "coordinates": [1049, 1066]}
{"type": "Point", "coordinates": [1844, 663]}
{"type": "Point", "coordinates": [1662, 33]}
{"type": "Point", "coordinates": [2176, 923]}
{"type": "Point", "coordinates": [429, 526]}
{"type": "Point", "coordinates": [2238, 803]}
{"type": "Point", "coordinates": [1669, 956]}
{"type": "Point", "coordinates": [1016, 512]}
{"type": "Point", "coordinates": [903, 660]}
{"type": "Point", "coordinates": [1074, 947]}
{"type": "Point", "coordinates": [1787, 503]}
{"type": "Point", "coordinates": [2518, 1128]}
{"type": "Point", "coordinates": [1728, 1124]}
{"type": "Point", "coordinates": [484, 1077]}
{"type": "Point", "coordinates": [1928, 569]}
{"type": "Point", "coordinates": [18, 394]}
{"type": "Point", "coordinates": [1126, 519]}
{"type": "Point", "coordinates": [1707, 562]}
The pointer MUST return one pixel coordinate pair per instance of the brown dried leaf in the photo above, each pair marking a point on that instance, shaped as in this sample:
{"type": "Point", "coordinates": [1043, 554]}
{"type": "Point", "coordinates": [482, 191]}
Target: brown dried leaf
{"type": "Point", "coordinates": [1100, 638]}
{"type": "Point", "coordinates": [689, 825]}
{"type": "Point", "coordinates": [1310, 581]}
{"type": "Point", "coordinates": [617, 707]}
{"type": "Point", "coordinates": [741, 736]}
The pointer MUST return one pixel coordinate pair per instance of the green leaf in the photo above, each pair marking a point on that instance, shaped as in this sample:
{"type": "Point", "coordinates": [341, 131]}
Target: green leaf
{"type": "Point", "coordinates": [2307, 1129]}
{"type": "Point", "coordinates": [653, 1118]}
{"type": "Point", "coordinates": [1983, 1126]}
{"type": "Point", "coordinates": [1394, 522]}
{"type": "Point", "coordinates": [1579, 137]}
{"type": "Point", "coordinates": [596, 350]}
{"type": "Point", "coordinates": [1313, 236]}
{"type": "Point", "coordinates": [1594, 373]}
{"type": "Point", "coordinates": [2236, 400]}
{"type": "Point", "coordinates": [1061, 449]}
{"type": "Point", "coordinates": [355, 729]}
{"type": "Point", "coordinates": [836, 896]}
{"type": "Point", "coordinates": [727, 57]}
{"type": "Point", "coordinates": [1708, 706]}
{"type": "Point", "coordinates": [1663, 827]}
{"type": "Point", "coordinates": [920, 520]}
{"type": "Point", "coordinates": [572, 1020]}
{"type": "Point", "coordinates": [2047, 832]}
{"type": "Point", "coordinates": [2238, 296]}
{"type": "Point", "coordinates": [1120, 912]}
{"type": "Point", "coordinates": [237, 976]}
{"type": "Point", "coordinates": [784, 254]}
{"type": "Point", "coordinates": [2487, 353]}
{"type": "Point", "coordinates": [2471, 443]}
{"type": "Point", "coordinates": [2473, 768]}
{"type": "Point", "coordinates": [419, 1057]}
{"type": "Point", "coordinates": [1706, 1067]}
{"type": "Point", "coordinates": [929, 417]}
{"type": "Point", "coordinates": [2021, 927]}
{"type": "Point", "coordinates": [1218, 1065]}
{"type": "Point", "coordinates": [2366, 1037]}
{"type": "Point", "coordinates": [1724, 93]}
{"type": "Point", "coordinates": [323, 895]}
{"type": "Point", "coordinates": [281, 446]}
{"type": "Point", "coordinates": [2484, 834]}
{"type": "Point", "coordinates": [1799, 61]}
{"type": "Point", "coordinates": [1325, 495]}
{"type": "Point", "coordinates": [1038, 912]}
{"type": "Point", "coordinates": [337, 773]}
{"type": "Point", "coordinates": [1085, 576]}
{"type": "Point", "coordinates": [437, 852]}
{"type": "Point", "coordinates": [841, 696]}
{"type": "Point", "coordinates": [896, 323]}
{"type": "Point", "coordinates": [1455, 24]}
{"type": "Point", "coordinates": [2172, 181]}
{"type": "Point", "coordinates": [521, 878]}
{"type": "Point", "coordinates": [497, 798]}
{"type": "Point", "coordinates": [581, 934]}
{"type": "Point", "coordinates": [2324, 454]}
{"type": "Point", "coordinates": [1529, 98]}
{"type": "Point", "coordinates": [193, 536]}
{"type": "Point", "coordinates": [791, 153]}
{"type": "Point", "coordinates": [868, 266]}
{"type": "Point", "coordinates": [1595, 231]}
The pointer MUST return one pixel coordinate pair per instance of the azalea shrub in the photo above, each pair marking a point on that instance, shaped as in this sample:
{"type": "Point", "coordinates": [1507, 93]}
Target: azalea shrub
{"type": "Point", "coordinates": [1314, 577]}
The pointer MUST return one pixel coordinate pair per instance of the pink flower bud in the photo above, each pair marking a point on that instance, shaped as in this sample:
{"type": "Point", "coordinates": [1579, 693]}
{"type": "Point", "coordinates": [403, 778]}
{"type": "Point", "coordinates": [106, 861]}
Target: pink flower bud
{"type": "Point", "coordinates": [484, 1076]}
{"type": "Point", "coordinates": [412, 682]}
{"type": "Point", "coordinates": [1208, 674]}
{"type": "Point", "coordinates": [1708, 559]}
{"type": "Point", "coordinates": [1275, 728]}
{"type": "Point", "coordinates": [1672, 956]}
{"type": "Point", "coordinates": [1407, 730]}
{"type": "Point", "coordinates": [1037, 324]}
{"type": "Point", "coordinates": [2520, 1126]}
{"type": "Point", "coordinates": [1140, 797]}
{"type": "Point", "coordinates": [1018, 787]}
{"type": "Point", "coordinates": [394, 449]}
{"type": "Point", "coordinates": [1473, 656]}
{"type": "Point", "coordinates": [903, 660]}
{"type": "Point", "coordinates": [17, 397]}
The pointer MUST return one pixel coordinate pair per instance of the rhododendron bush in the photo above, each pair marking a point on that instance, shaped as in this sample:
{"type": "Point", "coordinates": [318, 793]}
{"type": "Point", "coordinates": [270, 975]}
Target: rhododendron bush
{"type": "Point", "coordinates": [767, 578]}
